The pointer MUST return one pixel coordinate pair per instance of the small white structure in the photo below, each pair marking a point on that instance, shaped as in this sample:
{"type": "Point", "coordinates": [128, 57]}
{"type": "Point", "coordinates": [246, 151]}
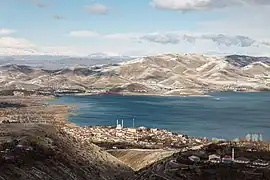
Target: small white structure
{"type": "Point", "coordinates": [260, 162]}
{"type": "Point", "coordinates": [119, 126]}
{"type": "Point", "coordinates": [213, 158]}
{"type": "Point", "coordinates": [19, 146]}
{"type": "Point", "coordinates": [254, 137]}
{"type": "Point", "coordinates": [242, 160]}
{"type": "Point", "coordinates": [248, 137]}
{"type": "Point", "coordinates": [194, 158]}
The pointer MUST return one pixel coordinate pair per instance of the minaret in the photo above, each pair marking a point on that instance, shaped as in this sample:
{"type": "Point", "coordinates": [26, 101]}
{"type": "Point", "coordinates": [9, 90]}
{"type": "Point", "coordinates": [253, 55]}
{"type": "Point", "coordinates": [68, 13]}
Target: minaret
{"type": "Point", "coordinates": [122, 123]}
{"type": "Point", "coordinates": [133, 123]}
{"type": "Point", "coordinates": [232, 154]}
{"type": "Point", "coordinates": [261, 138]}
{"type": "Point", "coordinates": [116, 122]}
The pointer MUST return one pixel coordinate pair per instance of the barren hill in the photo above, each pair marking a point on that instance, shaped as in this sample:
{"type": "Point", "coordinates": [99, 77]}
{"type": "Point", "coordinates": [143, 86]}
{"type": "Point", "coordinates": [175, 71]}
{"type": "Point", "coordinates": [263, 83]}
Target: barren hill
{"type": "Point", "coordinates": [167, 74]}
{"type": "Point", "coordinates": [181, 167]}
{"type": "Point", "coordinates": [31, 152]}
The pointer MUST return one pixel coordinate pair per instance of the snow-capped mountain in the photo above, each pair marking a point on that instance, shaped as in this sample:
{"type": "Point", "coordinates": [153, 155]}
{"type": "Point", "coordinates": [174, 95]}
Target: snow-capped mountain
{"type": "Point", "coordinates": [167, 74]}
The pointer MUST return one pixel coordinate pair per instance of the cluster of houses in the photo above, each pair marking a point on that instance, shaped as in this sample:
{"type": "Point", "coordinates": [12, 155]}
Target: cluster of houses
{"type": "Point", "coordinates": [235, 88]}
{"type": "Point", "coordinates": [147, 137]}
{"type": "Point", "coordinates": [230, 159]}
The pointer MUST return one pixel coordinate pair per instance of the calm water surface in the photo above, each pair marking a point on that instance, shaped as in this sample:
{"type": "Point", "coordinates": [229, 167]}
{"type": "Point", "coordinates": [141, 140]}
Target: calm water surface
{"type": "Point", "coordinates": [222, 115]}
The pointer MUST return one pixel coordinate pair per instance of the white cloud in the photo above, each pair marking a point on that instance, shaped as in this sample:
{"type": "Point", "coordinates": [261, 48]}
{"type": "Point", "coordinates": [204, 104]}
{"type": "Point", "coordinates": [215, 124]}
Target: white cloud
{"type": "Point", "coordinates": [97, 8]}
{"type": "Point", "coordinates": [166, 38]}
{"type": "Point", "coordinates": [232, 33]}
{"type": "Point", "coordinates": [189, 38]}
{"type": "Point", "coordinates": [266, 43]}
{"type": "Point", "coordinates": [251, 22]}
{"type": "Point", "coordinates": [204, 4]}
{"type": "Point", "coordinates": [17, 46]}
{"type": "Point", "coordinates": [175, 38]}
{"type": "Point", "coordinates": [221, 39]}
{"type": "Point", "coordinates": [5, 31]}
{"type": "Point", "coordinates": [18, 51]}
{"type": "Point", "coordinates": [83, 33]}
{"type": "Point", "coordinates": [10, 42]}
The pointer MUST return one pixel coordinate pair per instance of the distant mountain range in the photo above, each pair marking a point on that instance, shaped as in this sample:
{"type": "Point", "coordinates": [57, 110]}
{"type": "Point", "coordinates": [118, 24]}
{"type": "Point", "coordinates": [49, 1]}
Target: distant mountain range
{"type": "Point", "coordinates": [167, 74]}
{"type": "Point", "coordinates": [57, 62]}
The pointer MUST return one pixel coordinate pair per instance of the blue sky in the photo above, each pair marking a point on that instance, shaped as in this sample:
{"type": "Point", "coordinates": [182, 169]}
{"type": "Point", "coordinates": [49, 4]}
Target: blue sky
{"type": "Point", "coordinates": [138, 27]}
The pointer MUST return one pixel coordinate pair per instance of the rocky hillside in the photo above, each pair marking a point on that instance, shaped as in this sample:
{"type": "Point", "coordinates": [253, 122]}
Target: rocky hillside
{"type": "Point", "coordinates": [138, 159]}
{"type": "Point", "coordinates": [242, 61]}
{"type": "Point", "coordinates": [168, 74]}
{"type": "Point", "coordinates": [32, 152]}
{"type": "Point", "coordinates": [181, 167]}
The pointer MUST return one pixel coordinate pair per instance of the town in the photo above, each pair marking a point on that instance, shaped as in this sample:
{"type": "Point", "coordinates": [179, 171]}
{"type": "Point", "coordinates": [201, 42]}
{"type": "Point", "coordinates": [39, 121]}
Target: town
{"type": "Point", "coordinates": [181, 153]}
{"type": "Point", "coordinates": [113, 137]}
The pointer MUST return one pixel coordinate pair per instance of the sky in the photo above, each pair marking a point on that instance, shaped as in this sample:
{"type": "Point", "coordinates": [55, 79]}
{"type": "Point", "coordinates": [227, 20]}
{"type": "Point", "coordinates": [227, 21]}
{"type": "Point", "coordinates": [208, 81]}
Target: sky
{"type": "Point", "coordinates": [134, 27]}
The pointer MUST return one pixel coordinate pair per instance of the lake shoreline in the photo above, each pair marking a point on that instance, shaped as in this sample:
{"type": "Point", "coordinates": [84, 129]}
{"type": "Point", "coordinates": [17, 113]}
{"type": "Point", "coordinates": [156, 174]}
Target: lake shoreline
{"type": "Point", "coordinates": [206, 94]}
{"type": "Point", "coordinates": [215, 98]}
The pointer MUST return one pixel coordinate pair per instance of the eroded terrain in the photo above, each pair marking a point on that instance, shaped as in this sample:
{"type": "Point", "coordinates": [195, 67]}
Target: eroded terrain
{"type": "Point", "coordinates": [33, 146]}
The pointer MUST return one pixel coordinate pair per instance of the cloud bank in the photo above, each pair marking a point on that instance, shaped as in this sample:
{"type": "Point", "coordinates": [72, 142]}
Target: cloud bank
{"type": "Point", "coordinates": [183, 5]}
{"type": "Point", "coordinates": [5, 31]}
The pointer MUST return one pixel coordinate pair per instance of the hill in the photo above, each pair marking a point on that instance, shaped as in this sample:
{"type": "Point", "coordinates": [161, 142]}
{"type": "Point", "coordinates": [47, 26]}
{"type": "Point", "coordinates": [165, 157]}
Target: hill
{"type": "Point", "coordinates": [180, 166]}
{"type": "Point", "coordinates": [33, 145]}
{"type": "Point", "coordinates": [167, 74]}
{"type": "Point", "coordinates": [32, 151]}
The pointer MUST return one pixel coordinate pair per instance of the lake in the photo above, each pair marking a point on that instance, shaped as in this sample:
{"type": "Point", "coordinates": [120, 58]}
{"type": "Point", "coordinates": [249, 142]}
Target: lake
{"type": "Point", "coordinates": [223, 115]}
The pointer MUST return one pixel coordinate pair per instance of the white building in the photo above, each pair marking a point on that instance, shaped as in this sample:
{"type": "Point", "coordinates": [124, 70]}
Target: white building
{"type": "Point", "coordinates": [260, 162]}
{"type": "Point", "coordinates": [194, 158]}
{"type": "Point", "coordinates": [242, 160]}
{"type": "Point", "coordinates": [213, 158]}
{"type": "Point", "coordinates": [119, 126]}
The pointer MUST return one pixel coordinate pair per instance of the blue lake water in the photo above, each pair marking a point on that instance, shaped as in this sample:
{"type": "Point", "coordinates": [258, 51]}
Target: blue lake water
{"type": "Point", "coordinates": [222, 115]}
